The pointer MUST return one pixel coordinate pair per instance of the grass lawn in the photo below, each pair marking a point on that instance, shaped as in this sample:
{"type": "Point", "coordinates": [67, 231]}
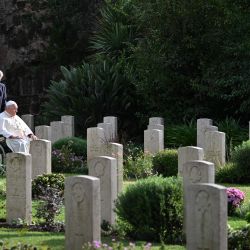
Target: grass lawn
{"type": "Point", "coordinates": [56, 240]}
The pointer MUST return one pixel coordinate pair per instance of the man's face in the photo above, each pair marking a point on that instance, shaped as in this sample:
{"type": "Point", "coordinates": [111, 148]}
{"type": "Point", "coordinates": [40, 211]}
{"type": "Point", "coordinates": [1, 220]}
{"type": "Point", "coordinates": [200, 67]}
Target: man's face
{"type": "Point", "coordinates": [12, 110]}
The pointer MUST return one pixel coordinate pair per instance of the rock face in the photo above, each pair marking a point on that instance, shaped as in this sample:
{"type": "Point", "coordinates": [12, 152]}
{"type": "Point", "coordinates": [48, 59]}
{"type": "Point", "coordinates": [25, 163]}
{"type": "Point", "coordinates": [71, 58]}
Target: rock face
{"type": "Point", "coordinates": [28, 49]}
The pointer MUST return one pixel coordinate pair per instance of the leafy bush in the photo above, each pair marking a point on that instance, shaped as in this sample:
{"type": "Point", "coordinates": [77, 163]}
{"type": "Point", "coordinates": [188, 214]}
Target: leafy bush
{"type": "Point", "coordinates": [181, 135]}
{"type": "Point", "coordinates": [166, 162]}
{"type": "Point", "coordinates": [235, 199]}
{"type": "Point", "coordinates": [153, 209]}
{"type": "Point", "coordinates": [77, 145]}
{"type": "Point", "coordinates": [47, 180]}
{"type": "Point", "coordinates": [19, 246]}
{"type": "Point", "coordinates": [227, 174]}
{"type": "Point", "coordinates": [241, 159]}
{"type": "Point", "coordinates": [239, 239]}
{"type": "Point", "coordinates": [64, 160]}
{"type": "Point", "coordinates": [139, 166]}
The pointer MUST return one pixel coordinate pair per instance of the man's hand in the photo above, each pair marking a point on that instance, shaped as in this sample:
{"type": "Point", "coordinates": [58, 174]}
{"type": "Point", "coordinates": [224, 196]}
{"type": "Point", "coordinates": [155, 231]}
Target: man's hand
{"type": "Point", "coordinates": [32, 137]}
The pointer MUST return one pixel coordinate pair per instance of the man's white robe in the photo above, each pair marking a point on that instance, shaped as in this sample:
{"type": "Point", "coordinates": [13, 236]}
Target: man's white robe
{"type": "Point", "coordinates": [15, 126]}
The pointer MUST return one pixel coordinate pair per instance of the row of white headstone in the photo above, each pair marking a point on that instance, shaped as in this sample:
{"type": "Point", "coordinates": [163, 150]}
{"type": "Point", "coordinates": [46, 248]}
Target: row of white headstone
{"type": "Point", "coordinates": [57, 129]}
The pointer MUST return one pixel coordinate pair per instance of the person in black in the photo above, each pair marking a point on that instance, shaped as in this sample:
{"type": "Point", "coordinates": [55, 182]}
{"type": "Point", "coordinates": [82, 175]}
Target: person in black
{"type": "Point", "coordinates": [3, 95]}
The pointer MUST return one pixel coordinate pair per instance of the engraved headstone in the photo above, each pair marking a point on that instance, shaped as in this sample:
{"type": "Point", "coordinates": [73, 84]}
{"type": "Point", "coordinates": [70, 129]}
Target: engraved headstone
{"type": "Point", "coordinates": [153, 141]}
{"type": "Point", "coordinates": [206, 220]}
{"type": "Point", "coordinates": [105, 168]}
{"type": "Point", "coordinates": [95, 142]}
{"type": "Point", "coordinates": [82, 211]}
{"type": "Point", "coordinates": [29, 120]}
{"type": "Point", "coordinates": [68, 126]}
{"type": "Point", "coordinates": [40, 151]}
{"type": "Point", "coordinates": [114, 124]}
{"type": "Point", "coordinates": [188, 153]}
{"type": "Point", "coordinates": [215, 147]}
{"type": "Point", "coordinates": [56, 130]}
{"type": "Point", "coordinates": [43, 132]}
{"type": "Point", "coordinates": [18, 187]}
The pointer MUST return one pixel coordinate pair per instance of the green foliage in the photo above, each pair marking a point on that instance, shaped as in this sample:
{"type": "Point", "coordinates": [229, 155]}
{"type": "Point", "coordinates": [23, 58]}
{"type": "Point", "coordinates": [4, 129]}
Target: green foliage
{"type": "Point", "coordinates": [239, 239]}
{"type": "Point", "coordinates": [77, 145]}
{"type": "Point", "coordinates": [235, 134]}
{"type": "Point", "coordinates": [47, 180]}
{"type": "Point", "coordinates": [227, 174]}
{"type": "Point", "coordinates": [137, 167]}
{"type": "Point", "coordinates": [90, 92]}
{"type": "Point", "coordinates": [241, 159]}
{"type": "Point", "coordinates": [165, 163]}
{"type": "Point", "coordinates": [181, 135]}
{"type": "Point", "coordinates": [153, 209]}
{"type": "Point", "coordinates": [19, 246]}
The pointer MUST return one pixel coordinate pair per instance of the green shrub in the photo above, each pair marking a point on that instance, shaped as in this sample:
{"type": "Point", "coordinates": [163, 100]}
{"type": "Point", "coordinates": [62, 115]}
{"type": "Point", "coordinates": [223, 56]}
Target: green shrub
{"type": "Point", "coordinates": [77, 145]}
{"type": "Point", "coordinates": [47, 180]}
{"type": "Point", "coordinates": [139, 166]}
{"type": "Point", "coordinates": [227, 174]}
{"type": "Point", "coordinates": [181, 135]}
{"type": "Point", "coordinates": [239, 239]}
{"type": "Point", "coordinates": [166, 162]}
{"type": "Point", "coordinates": [241, 159]}
{"type": "Point", "coordinates": [153, 209]}
{"type": "Point", "coordinates": [64, 160]}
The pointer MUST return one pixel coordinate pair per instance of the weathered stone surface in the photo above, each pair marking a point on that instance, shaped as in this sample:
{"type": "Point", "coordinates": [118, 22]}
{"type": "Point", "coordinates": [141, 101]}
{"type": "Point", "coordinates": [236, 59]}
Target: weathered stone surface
{"type": "Point", "coordinates": [206, 217]}
{"type": "Point", "coordinates": [95, 143]}
{"type": "Point", "coordinates": [40, 151]}
{"type": "Point", "coordinates": [82, 211]}
{"type": "Point", "coordinates": [56, 130]}
{"type": "Point", "coordinates": [68, 126]}
{"type": "Point", "coordinates": [202, 125]}
{"type": "Point", "coordinates": [43, 132]}
{"type": "Point", "coordinates": [108, 131]}
{"type": "Point", "coordinates": [156, 120]}
{"type": "Point", "coordinates": [114, 124]}
{"type": "Point", "coordinates": [29, 120]}
{"type": "Point", "coordinates": [105, 168]}
{"type": "Point", "coordinates": [215, 147]}
{"type": "Point", "coordinates": [153, 141]}
{"type": "Point", "coordinates": [18, 187]}
{"type": "Point", "coordinates": [188, 153]}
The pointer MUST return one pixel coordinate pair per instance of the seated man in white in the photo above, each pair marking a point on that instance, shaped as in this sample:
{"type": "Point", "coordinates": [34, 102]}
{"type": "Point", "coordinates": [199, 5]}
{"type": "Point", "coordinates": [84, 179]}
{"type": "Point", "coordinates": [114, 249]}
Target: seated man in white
{"type": "Point", "coordinates": [17, 133]}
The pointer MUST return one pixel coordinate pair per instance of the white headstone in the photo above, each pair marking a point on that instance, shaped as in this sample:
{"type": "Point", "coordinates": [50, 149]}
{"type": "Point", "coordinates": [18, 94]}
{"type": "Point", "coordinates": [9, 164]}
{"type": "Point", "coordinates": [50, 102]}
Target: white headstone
{"type": "Point", "coordinates": [82, 211]}
{"type": "Point", "coordinates": [29, 120]}
{"type": "Point", "coordinates": [18, 187]}
{"type": "Point", "coordinates": [56, 130]}
{"type": "Point", "coordinates": [206, 217]}
{"type": "Point", "coordinates": [105, 168]}
{"type": "Point", "coordinates": [95, 141]}
{"type": "Point", "coordinates": [156, 120]}
{"type": "Point", "coordinates": [40, 151]}
{"type": "Point", "coordinates": [202, 123]}
{"type": "Point", "coordinates": [114, 124]}
{"type": "Point", "coordinates": [153, 141]}
{"type": "Point", "coordinates": [188, 153]}
{"type": "Point", "coordinates": [108, 132]}
{"type": "Point", "coordinates": [68, 126]}
{"type": "Point", "coordinates": [116, 150]}
{"type": "Point", "coordinates": [215, 147]}
{"type": "Point", "coordinates": [43, 132]}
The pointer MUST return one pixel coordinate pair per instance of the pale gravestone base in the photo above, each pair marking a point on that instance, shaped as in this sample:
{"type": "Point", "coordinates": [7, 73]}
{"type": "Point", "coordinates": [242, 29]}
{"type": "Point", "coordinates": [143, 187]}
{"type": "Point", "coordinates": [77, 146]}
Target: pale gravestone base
{"type": "Point", "coordinates": [40, 151]}
{"type": "Point", "coordinates": [105, 168]}
{"type": "Point", "coordinates": [82, 211]}
{"type": "Point", "coordinates": [18, 187]}
{"type": "Point", "coordinates": [206, 217]}
{"type": "Point", "coordinates": [188, 153]}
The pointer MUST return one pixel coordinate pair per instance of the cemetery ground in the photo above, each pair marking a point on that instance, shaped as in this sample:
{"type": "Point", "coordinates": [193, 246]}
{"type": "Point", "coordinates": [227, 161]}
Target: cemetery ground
{"type": "Point", "coordinates": [55, 241]}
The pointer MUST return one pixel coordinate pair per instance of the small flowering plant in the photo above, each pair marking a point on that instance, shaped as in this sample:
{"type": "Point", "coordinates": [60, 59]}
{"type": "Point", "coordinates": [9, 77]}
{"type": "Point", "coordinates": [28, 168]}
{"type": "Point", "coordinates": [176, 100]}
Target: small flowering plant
{"type": "Point", "coordinates": [235, 198]}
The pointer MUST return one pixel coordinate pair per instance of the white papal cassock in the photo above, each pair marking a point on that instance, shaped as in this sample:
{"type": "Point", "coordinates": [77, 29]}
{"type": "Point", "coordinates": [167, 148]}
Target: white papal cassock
{"type": "Point", "coordinates": [15, 126]}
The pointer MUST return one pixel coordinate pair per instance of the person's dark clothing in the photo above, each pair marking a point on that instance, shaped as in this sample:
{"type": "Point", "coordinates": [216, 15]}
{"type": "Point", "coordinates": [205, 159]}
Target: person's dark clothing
{"type": "Point", "coordinates": [3, 96]}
